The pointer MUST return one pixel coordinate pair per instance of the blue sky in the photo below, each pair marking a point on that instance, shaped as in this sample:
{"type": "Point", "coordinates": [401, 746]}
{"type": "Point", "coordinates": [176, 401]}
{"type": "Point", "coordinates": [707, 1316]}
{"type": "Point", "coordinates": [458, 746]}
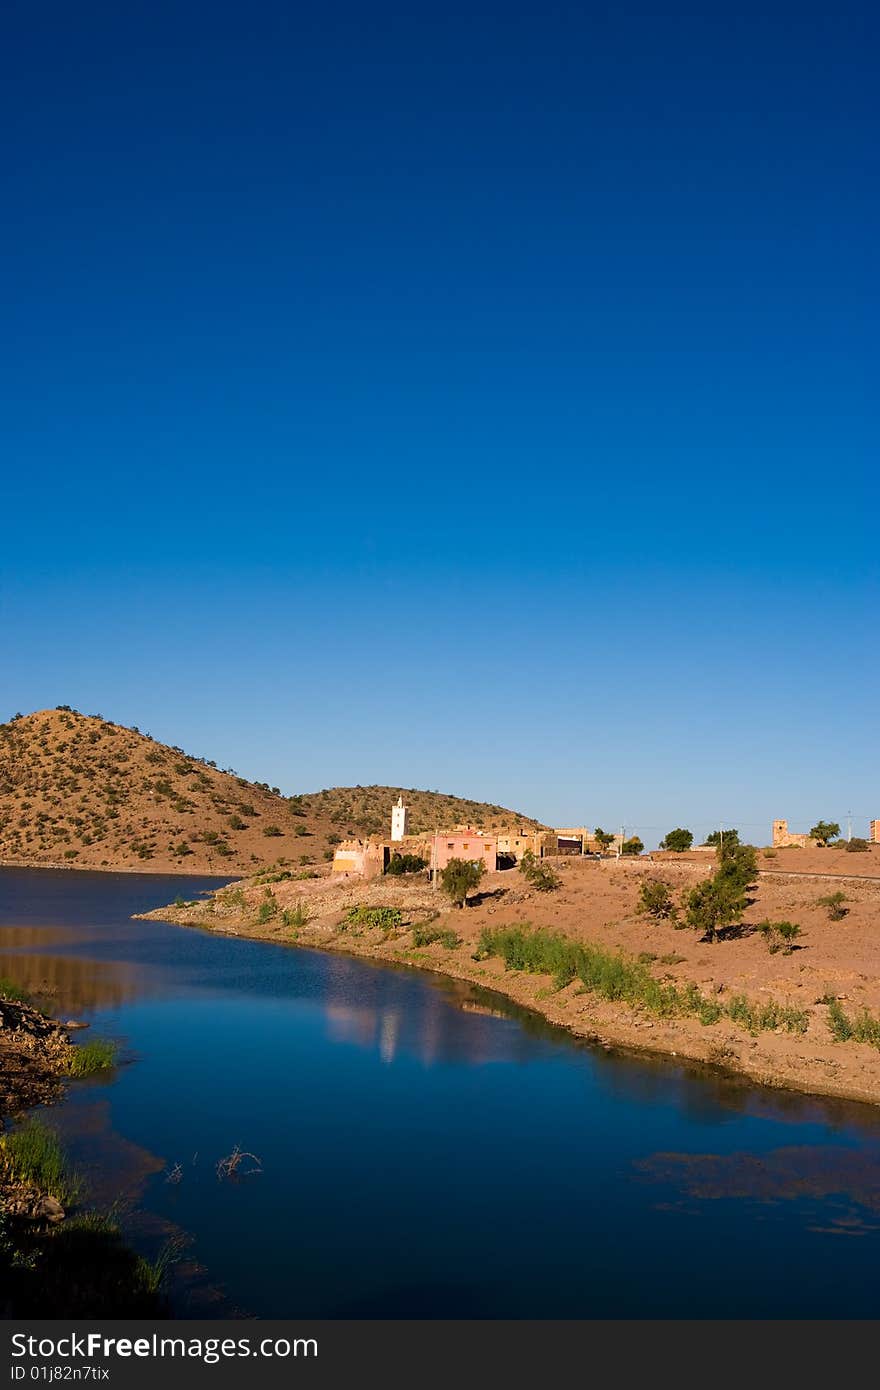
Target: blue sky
{"type": "Point", "coordinates": [480, 400]}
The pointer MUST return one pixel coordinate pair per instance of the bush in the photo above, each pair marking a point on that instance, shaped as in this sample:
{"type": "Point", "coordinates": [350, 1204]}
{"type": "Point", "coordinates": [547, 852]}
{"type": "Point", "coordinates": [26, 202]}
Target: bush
{"type": "Point", "coordinates": [272, 832]}
{"type": "Point", "coordinates": [632, 846]}
{"type": "Point", "coordinates": [386, 919]}
{"type": "Point", "coordinates": [296, 917]}
{"type": "Point", "coordinates": [656, 901]}
{"type": "Point", "coordinates": [856, 845]}
{"type": "Point", "coordinates": [780, 936]}
{"type": "Point", "coordinates": [404, 863]}
{"type": "Point", "coordinates": [268, 907]}
{"type": "Point", "coordinates": [834, 903]}
{"type": "Point", "coordinates": [459, 877]}
{"type": "Point", "coordinates": [538, 874]}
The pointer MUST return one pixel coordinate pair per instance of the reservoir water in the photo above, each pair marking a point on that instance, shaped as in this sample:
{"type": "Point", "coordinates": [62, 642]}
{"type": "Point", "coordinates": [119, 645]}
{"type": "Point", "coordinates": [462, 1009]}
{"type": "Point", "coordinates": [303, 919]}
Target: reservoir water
{"type": "Point", "coordinates": [426, 1148]}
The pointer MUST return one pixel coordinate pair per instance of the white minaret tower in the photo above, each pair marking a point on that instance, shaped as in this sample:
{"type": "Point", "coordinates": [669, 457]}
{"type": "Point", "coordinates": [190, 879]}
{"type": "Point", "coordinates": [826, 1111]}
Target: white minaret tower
{"type": "Point", "coordinates": [399, 814]}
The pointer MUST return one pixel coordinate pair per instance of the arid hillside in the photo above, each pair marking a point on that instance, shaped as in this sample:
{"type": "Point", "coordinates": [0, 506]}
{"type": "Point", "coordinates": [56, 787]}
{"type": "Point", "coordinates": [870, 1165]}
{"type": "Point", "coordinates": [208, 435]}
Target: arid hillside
{"type": "Point", "coordinates": [78, 791]}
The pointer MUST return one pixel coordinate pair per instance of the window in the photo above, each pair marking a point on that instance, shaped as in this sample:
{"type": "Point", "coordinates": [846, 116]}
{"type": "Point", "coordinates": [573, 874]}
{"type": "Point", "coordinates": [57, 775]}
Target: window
{"type": "Point", "coordinates": [465, 845]}
{"type": "Point", "coordinates": [450, 845]}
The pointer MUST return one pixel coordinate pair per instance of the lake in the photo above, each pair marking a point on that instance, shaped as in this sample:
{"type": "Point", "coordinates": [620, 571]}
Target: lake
{"type": "Point", "coordinates": [426, 1148]}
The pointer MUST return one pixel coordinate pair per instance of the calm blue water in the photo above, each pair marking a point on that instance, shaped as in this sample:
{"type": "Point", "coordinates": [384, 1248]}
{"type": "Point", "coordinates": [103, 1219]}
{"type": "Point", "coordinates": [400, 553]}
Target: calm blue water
{"type": "Point", "coordinates": [426, 1149]}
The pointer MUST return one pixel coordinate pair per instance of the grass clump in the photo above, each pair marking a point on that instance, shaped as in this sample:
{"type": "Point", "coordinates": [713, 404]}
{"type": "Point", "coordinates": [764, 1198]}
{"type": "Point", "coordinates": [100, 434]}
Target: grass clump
{"type": "Point", "coordinates": [95, 1056]}
{"type": "Point", "coordinates": [32, 1154]}
{"type": "Point", "coordinates": [424, 934]}
{"type": "Point", "coordinates": [759, 1018]}
{"type": "Point", "coordinates": [385, 919]}
{"type": "Point", "coordinates": [863, 1028]}
{"type": "Point", "coordinates": [10, 990]}
{"type": "Point", "coordinates": [619, 978]}
{"type": "Point", "coordinates": [296, 917]}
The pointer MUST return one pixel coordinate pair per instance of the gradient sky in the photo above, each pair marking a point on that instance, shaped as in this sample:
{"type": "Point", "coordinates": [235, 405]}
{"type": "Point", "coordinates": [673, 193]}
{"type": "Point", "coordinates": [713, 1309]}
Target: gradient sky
{"type": "Point", "coordinates": [472, 398]}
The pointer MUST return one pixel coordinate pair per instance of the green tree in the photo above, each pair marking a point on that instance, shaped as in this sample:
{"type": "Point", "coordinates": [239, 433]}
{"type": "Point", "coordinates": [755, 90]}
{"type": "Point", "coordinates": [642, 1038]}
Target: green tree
{"type": "Point", "coordinates": [538, 874]}
{"type": "Point", "coordinates": [632, 846]}
{"type": "Point", "coordinates": [825, 830]}
{"type": "Point", "coordinates": [459, 877]}
{"type": "Point", "coordinates": [721, 901]}
{"type": "Point", "coordinates": [656, 901]}
{"type": "Point", "coordinates": [721, 837]}
{"type": "Point", "coordinates": [677, 840]}
{"type": "Point", "coordinates": [603, 838]}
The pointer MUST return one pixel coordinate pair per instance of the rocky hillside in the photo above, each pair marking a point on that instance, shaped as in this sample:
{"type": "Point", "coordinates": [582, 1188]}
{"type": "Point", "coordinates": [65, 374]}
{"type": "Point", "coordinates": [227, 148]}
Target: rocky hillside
{"type": "Point", "coordinates": [76, 790]}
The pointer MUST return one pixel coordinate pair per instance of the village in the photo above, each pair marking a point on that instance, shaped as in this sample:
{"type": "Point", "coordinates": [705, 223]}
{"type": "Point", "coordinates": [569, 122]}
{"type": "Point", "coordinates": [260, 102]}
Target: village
{"type": "Point", "coordinates": [504, 848]}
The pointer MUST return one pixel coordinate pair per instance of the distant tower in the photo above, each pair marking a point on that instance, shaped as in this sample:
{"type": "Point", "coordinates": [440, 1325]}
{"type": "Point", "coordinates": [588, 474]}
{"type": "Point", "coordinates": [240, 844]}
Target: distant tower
{"type": "Point", "coordinates": [780, 832]}
{"type": "Point", "coordinates": [399, 813]}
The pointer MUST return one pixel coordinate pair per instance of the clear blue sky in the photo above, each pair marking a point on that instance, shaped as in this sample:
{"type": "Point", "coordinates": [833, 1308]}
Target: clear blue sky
{"type": "Point", "coordinates": [468, 397]}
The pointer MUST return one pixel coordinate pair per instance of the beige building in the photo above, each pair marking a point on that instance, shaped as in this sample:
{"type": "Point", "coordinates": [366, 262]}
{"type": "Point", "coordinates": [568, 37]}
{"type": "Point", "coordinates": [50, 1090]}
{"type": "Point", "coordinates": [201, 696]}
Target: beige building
{"type": "Point", "coordinates": [874, 832]}
{"type": "Point", "coordinates": [783, 838]}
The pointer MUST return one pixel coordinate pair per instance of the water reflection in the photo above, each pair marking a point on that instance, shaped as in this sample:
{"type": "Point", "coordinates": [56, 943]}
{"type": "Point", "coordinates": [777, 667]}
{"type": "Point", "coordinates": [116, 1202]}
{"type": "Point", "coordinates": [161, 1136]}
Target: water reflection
{"type": "Point", "coordinates": [817, 1173]}
{"type": "Point", "coordinates": [76, 984]}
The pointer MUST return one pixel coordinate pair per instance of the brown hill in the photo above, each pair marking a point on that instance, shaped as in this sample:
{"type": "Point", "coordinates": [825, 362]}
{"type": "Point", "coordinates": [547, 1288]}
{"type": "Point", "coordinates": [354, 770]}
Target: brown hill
{"type": "Point", "coordinates": [76, 790]}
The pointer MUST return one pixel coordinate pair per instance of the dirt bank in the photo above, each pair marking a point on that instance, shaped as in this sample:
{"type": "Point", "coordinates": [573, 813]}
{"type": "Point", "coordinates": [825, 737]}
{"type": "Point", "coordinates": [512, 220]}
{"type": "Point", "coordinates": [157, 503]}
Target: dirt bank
{"type": "Point", "coordinates": [597, 904]}
{"type": "Point", "coordinates": [34, 1057]}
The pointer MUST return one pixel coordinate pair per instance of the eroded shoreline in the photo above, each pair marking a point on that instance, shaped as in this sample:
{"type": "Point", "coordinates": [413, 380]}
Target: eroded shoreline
{"type": "Point", "coordinates": [828, 965]}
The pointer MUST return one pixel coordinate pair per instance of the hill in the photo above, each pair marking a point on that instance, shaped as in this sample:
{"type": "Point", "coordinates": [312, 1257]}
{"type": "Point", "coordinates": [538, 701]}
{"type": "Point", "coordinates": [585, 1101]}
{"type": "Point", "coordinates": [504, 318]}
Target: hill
{"type": "Point", "coordinates": [79, 791]}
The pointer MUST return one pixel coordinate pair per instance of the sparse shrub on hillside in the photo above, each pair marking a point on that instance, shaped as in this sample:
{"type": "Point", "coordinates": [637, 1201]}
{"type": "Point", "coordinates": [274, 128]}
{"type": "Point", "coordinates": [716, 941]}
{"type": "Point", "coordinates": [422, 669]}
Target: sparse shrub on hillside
{"type": "Point", "coordinates": [458, 879]}
{"type": "Point", "coordinates": [779, 936]}
{"type": "Point", "coordinates": [538, 874]}
{"type": "Point", "coordinates": [385, 919]}
{"type": "Point", "coordinates": [424, 934]}
{"type": "Point", "coordinates": [834, 903]}
{"type": "Point", "coordinates": [856, 845]}
{"type": "Point", "coordinates": [656, 901]}
{"type": "Point", "coordinates": [296, 917]}
{"type": "Point", "coordinates": [236, 823]}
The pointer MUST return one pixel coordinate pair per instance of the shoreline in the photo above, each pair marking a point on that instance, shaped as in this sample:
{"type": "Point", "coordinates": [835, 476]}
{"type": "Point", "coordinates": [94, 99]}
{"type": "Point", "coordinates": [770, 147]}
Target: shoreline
{"type": "Point", "coordinates": [811, 1065]}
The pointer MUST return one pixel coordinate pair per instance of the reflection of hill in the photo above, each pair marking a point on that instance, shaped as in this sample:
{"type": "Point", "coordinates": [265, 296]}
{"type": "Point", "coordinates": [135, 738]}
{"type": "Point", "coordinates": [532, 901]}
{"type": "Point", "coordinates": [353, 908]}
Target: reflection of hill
{"type": "Point", "coordinates": [73, 983]}
{"type": "Point", "coordinates": [782, 1175]}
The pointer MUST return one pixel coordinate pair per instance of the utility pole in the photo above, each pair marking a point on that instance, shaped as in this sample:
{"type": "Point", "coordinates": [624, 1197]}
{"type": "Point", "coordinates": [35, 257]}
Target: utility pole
{"type": "Point", "coordinates": [720, 841]}
{"type": "Point", "coordinates": [620, 846]}
{"type": "Point", "coordinates": [848, 826]}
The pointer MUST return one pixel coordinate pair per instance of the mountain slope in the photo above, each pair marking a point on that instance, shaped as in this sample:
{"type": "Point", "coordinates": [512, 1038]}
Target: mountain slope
{"type": "Point", "coordinates": [77, 790]}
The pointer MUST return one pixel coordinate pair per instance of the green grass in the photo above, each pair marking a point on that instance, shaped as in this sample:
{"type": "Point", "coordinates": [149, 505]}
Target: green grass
{"type": "Point", "coordinates": [386, 919]}
{"type": "Point", "coordinates": [92, 1057]}
{"type": "Point", "coordinates": [620, 978]}
{"type": "Point", "coordinates": [33, 1155]}
{"type": "Point", "coordinates": [10, 990]}
{"type": "Point", "coordinates": [424, 934]}
{"type": "Point", "coordinates": [861, 1028]}
{"type": "Point", "coordinates": [296, 916]}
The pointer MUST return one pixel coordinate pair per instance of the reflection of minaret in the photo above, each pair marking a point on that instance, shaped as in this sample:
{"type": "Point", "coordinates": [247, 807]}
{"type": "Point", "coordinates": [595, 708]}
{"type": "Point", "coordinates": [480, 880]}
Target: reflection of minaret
{"type": "Point", "coordinates": [399, 814]}
{"type": "Point", "coordinates": [389, 1024]}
